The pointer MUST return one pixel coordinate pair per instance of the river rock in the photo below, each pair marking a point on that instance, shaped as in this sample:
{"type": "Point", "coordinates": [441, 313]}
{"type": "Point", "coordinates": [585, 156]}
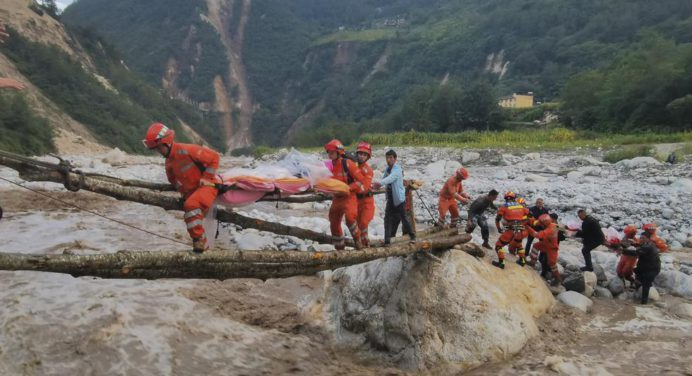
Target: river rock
{"type": "Point", "coordinates": [535, 178]}
{"type": "Point", "coordinates": [249, 241]}
{"type": "Point", "coordinates": [116, 157]}
{"type": "Point", "coordinates": [422, 316]}
{"type": "Point", "coordinates": [501, 175]}
{"type": "Point", "coordinates": [688, 243]}
{"type": "Point", "coordinates": [576, 300]}
{"type": "Point", "coordinates": [668, 213]}
{"type": "Point", "coordinates": [590, 170]}
{"type": "Point", "coordinates": [678, 283]}
{"type": "Point", "coordinates": [683, 310]}
{"type": "Point", "coordinates": [470, 156]}
{"type": "Point", "coordinates": [590, 279]}
{"type": "Point", "coordinates": [682, 185]}
{"type": "Point", "coordinates": [532, 156]}
{"type": "Point", "coordinates": [574, 282]}
{"type": "Point", "coordinates": [575, 176]}
{"type": "Point", "coordinates": [638, 162]}
{"type": "Point", "coordinates": [616, 286]}
{"type": "Point", "coordinates": [602, 292]}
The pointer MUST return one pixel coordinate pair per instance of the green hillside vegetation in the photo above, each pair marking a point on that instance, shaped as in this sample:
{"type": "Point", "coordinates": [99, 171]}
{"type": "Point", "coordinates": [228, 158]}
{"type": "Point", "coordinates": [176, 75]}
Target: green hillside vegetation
{"type": "Point", "coordinates": [647, 87]}
{"type": "Point", "coordinates": [356, 36]}
{"type": "Point", "coordinates": [116, 118]}
{"type": "Point", "coordinates": [22, 131]}
{"type": "Point", "coordinates": [290, 50]}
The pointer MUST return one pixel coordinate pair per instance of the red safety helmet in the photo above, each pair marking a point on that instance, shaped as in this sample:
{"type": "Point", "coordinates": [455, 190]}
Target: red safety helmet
{"type": "Point", "coordinates": [334, 145]}
{"type": "Point", "coordinates": [364, 147]}
{"type": "Point", "coordinates": [463, 173]}
{"type": "Point", "coordinates": [509, 195]}
{"type": "Point", "coordinates": [630, 230]}
{"type": "Point", "coordinates": [649, 228]}
{"type": "Point", "coordinates": [158, 134]}
{"type": "Point", "coordinates": [545, 219]}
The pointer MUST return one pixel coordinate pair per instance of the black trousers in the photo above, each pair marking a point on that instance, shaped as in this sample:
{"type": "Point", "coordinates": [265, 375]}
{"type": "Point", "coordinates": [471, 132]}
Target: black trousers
{"type": "Point", "coordinates": [586, 252]}
{"type": "Point", "coordinates": [545, 268]}
{"type": "Point", "coordinates": [393, 215]}
{"type": "Point", "coordinates": [647, 280]}
{"type": "Point", "coordinates": [482, 222]}
{"type": "Point", "coordinates": [529, 241]}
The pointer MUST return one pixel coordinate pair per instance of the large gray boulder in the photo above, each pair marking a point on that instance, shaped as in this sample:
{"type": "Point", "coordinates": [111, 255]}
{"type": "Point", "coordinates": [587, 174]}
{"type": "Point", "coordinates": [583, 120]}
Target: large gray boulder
{"type": "Point", "coordinates": [616, 286]}
{"type": "Point", "coordinates": [678, 283]}
{"type": "Point", "coordinates": [576, 300]}
{"type": "Point", "coordinates": [637, 162]}
{"type": "Point", "coordinates": [574, 282]}
{"type": "Point", "coordinates": [422, 316]}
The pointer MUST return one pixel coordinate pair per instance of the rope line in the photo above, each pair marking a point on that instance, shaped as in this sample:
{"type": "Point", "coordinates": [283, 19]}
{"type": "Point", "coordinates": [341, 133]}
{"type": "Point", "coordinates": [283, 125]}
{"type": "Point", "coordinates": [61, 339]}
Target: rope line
{"type": "Point", "coordinates": [95, 213]}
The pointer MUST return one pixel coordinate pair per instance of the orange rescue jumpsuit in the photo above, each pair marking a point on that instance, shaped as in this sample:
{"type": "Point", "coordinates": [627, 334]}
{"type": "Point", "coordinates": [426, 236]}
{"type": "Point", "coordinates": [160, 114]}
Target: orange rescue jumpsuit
{"type": "Point", "coordinates": [548, 244]}
{"type": "Point", "coordinates": [628, 259]}
{"type": "Point", "coordinates": [345, 205]}
{"type": "Point", "coordinates": [187, 166]}
{"type": "Point", "coordinates": [366, 203]}
{"type": "Point", "coordinates": [515, 215]}
{"type": "Point", "coordinates": [449, 194]}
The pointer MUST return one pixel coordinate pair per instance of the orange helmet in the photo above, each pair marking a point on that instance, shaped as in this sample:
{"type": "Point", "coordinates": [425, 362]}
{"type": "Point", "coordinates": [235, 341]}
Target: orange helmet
{"type": "Point", "coordinates": [649, 228]}
{"type": "Point", "coordinates": [364, 147]}
{"type": "Point", "coordinates": [509, 195]}
{"type": "Point", "coordinates": [630, 230]}
{"type": "Point", "coordinates": [158, 134]}
{"type": "Point", "coordinates": [334, 145]}
{"type": "Point", "coordinates": [545, 219]}
{"type": "Point", "coordinates": [463, 173]}
{"type": "Point", "coordinates": [521, 201]}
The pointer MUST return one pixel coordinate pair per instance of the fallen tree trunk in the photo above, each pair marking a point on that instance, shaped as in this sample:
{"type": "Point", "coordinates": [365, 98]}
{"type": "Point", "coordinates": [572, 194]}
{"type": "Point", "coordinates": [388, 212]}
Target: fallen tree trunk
{"type": "Point", "coordinates": [213, 265]}
{"type": "Point", "coordinates": [169, 201]}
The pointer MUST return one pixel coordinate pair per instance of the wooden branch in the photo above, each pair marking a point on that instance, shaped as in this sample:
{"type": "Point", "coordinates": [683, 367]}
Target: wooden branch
{"type": "Point", "coordinates": [213, 265]}
{"type": "Point", "coordinates": [168, 201]}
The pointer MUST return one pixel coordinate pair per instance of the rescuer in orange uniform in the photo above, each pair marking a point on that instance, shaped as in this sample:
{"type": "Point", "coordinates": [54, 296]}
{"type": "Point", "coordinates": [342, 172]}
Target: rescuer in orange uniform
{"type": "Point", "coordinates": [548, 243]}
{"type": "Point", "coordinates": [628, 253]}
{"type": "Point", "coordinates": [192, 169]}
{"type": "Point", "coordinates": [514, 217]}
{"type": "Point", "coordinates": [450, 193]}
{"type": "Point", "coordinates": [366, 201]}
{"type": "Point", "coordinates": [348, 172]}
{"type": "Point", "coordinates": [650, 232]}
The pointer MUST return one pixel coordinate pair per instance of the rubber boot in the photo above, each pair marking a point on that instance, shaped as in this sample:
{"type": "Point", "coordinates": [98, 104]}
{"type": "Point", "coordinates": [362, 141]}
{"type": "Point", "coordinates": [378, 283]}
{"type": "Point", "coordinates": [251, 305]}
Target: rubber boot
{"type": "Point", "coordinates": [557, 280]}
{"type": "Point", "coordinates": [486, 245]}
{"type": "Point", "coordinates": [499, 264]}
{"type": "Point", "coordinates": [521, 261]}
{"type": "Point", "coordinates": [340, 245]}
{"type": "Point", "coordinates": [199, 245]}
{"type": "Point", "coordinates": [358, 244]}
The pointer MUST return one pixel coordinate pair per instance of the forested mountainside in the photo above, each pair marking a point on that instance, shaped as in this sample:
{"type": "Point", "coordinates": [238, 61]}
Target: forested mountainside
{"type": "Point", "coordinates": [303, 70]}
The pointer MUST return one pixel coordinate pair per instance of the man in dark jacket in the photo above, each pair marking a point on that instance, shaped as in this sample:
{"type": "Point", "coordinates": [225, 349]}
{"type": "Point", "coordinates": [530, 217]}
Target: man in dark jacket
{"type": "Point", "coordinates": [476, 217]}
{"type": "Point", "coordinates": [591, 235]}
{"type": "Point", "coordinates": [536, 211]}
{"type": "Point", "coordinates": [648, 265]}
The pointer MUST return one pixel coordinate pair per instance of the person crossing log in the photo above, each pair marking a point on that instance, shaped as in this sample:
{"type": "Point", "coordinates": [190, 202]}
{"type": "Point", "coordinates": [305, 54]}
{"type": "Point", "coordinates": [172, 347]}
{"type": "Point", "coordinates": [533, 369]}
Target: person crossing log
{"type": "Point", "coordinates": [33, 170]}
{"type": "Point", "coordinates": [214, 265]}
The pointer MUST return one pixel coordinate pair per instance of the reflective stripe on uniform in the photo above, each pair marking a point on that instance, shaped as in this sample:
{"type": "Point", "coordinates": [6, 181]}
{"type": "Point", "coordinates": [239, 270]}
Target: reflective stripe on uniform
{"type": "Point", "coordinates": [210, 170]}
{"type": "Point", "coordinates": [197, 222]}
{"type": "Point", "coordinates": [182, 152]}
{"type": "Point", "coordinates": [186, 167]}
{"type": "Point", "coordinates": [192, 213]}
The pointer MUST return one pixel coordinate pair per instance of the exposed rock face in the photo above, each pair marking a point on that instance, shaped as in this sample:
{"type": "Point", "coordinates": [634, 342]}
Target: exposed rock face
{"type": "Point", "coordinates": [425, 316]}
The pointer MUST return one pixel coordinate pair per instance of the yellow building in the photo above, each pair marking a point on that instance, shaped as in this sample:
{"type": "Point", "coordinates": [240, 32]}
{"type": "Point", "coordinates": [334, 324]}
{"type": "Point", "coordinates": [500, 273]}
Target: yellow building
{"type": "Point", "coordinates": [517, 101]}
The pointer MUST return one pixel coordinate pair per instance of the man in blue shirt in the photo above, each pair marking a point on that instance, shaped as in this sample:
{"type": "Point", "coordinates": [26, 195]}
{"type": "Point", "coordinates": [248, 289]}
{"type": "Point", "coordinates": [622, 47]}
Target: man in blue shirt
{"type": "Point", "coordinates": [395, 212]}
